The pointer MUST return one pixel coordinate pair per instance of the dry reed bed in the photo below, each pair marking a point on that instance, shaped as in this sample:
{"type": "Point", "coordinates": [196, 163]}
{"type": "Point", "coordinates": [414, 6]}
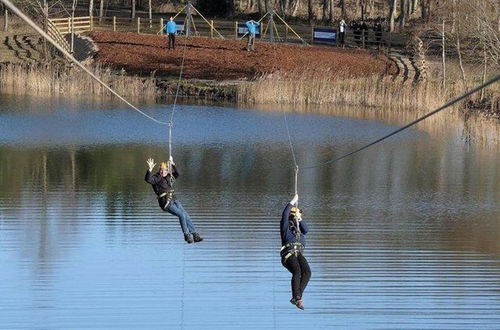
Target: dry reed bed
{"type": "Point", "coordinates": [315, 87]}
{"type": "Point", "coordinates": [56, 80]}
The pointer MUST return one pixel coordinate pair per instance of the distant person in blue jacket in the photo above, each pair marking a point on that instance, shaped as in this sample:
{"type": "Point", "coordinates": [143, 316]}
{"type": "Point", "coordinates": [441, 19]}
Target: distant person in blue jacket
{"type": "Point", "coordinates": [171, 29]}
{"type": "Point", "coordinates": [252, 29]}
{"type": "Point", "coordinates": [293, 230]}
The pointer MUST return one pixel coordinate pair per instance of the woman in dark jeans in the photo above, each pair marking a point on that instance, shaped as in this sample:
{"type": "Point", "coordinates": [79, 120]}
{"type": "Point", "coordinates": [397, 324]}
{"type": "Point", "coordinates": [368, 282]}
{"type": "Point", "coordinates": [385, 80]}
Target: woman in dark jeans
{"type": "Point", "coordinates": [162, 186]}
{"type": "Point", "coordinates": [293, 242]}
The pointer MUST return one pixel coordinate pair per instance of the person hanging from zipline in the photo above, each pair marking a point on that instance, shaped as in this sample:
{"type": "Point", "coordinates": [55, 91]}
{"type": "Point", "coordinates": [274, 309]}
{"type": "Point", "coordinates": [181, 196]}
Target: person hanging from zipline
{"type": "Point", "coordinates": [293, 230]}
{"type": "Point", "coordinates": [162, 183]}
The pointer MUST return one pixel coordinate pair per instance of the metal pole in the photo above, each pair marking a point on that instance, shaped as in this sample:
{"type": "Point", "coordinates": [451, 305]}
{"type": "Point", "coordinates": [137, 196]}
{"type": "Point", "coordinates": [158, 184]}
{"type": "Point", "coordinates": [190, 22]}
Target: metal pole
{"type": "Point", "coordinates": [114, 23]}
{"type": "Point", "coordinates": [211, 29]}
{"type": "Point", "coordinates": [138, 25]}
{"type": "Point", "coordinates": [270, 24]}
{"type": "Point", "coordinates": [188, 19]}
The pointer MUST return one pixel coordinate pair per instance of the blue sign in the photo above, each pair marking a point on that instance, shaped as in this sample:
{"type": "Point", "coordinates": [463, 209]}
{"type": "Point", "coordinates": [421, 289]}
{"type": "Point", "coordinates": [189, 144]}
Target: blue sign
{"type": "Point", "coordinates": [325, 35]}
{"type": "Point", "coordinates": [180, 27]}
{"type": "Point", "coordinates": [242, 30]}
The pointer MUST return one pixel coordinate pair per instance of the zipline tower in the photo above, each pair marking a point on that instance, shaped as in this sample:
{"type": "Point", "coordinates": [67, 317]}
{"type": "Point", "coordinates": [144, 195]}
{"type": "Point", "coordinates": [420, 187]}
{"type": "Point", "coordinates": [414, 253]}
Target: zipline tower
{"type": "Point", "coordinates": [189, 9]}
{"type": "Point", "coordinates": [273, 29]}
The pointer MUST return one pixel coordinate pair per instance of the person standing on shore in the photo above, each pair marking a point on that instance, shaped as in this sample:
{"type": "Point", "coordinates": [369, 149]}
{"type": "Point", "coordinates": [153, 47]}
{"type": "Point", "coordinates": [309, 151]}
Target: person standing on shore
{"type": "Point", "coordinates": [292, 230]}
{"type": "Point", "coordinates": [171, 29]}
{"type": "Point", "coordinates": [342, 28]}
{"type": "Point", "coordinates": [162, 183]}
{"type": "Point", "coordinates": [252, 30]}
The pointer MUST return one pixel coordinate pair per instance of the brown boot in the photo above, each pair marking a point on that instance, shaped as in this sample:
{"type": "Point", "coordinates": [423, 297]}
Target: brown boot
{"type": "Point", "coordinates": [197, 238]}
{"type": "Point", "coordinates": [188, 238]}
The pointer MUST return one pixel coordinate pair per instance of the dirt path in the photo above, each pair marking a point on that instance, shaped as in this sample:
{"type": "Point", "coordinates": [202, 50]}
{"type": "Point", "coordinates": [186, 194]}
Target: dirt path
{"type": "Point", "coordinates": [227, 59]}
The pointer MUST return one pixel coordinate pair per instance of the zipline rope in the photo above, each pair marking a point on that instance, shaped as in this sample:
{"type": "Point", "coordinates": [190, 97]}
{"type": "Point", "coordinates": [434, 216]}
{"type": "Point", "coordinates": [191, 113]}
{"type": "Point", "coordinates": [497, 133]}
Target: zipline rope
{"type": "Point", "coordinates": [25, 18]}
{"type": "Point", "coordinates": [450, 103]}
{"type": "Point", "coordinates": [171, 121]}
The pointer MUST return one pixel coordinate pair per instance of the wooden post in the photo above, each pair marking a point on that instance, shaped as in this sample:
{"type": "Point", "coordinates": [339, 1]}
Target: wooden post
{"type": "Point", "coordinates": [91, 23]}
{"type": "Point", "coordinates": [211, 29]}
{"type": "Point", "coordinates": [69, 25]}
{"type": "Point", "coordinates": [363, 38]}
{"type": "Point", "coordinates": [114, 23]}
{"type": "Point", "coordinates": [161, 26]}
{"type": "Point", "coordinates": [312, 34]}
{"type": "Point", "coordinates": [286, 33]}
{"type": "Point", "coordinates": [138, 25]}
{"type": "Point", "coordinates": [236, 30]}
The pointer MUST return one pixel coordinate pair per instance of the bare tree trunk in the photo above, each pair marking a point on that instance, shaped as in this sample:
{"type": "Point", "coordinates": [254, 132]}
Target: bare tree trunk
{"type": "Point", "coordinates": [132, 9]}
{"type": "Point", "coordinates": [330, 14]}
{"type": "Point", "coordinates": [101, 10]}
{"type": "Point", "coordinates": [460, 55]}
{"type": "Point", "coordinates": [402, 15]}
{"type": "Point", "coordinates": [310, 12]}
{"type": "Point", "coordinates": [443, 56]}
{"type": "Point", "coordinates": [325, 9]}
{"type": "Point", "coordinates": [295, 8]}
{"type": "Point", "coordinates": [150, 14]}
{"type": "Point", "coordinates": [363, 8]}
{"type": "Point", "coordinates": [392, 14]}
{"type": "Point", "coordinates": [453, 15]}
{"type": "Point", "coordinates": [5, 20]}
{"type": "Point", "coordinates": [342, 9]}
{"type": "Point", "coordinates": [484, 71]}
{"type": "Point", "coordinates": [426, 9]}
{"type": "Point", "coordinates": [91, 8]}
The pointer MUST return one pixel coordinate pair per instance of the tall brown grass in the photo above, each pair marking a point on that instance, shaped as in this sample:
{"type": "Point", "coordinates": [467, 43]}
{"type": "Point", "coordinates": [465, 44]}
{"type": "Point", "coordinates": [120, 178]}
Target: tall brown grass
{"type": "Point", "coordinates": [58, 80]}
{"type": "Point", "coordinates": [313, 87]}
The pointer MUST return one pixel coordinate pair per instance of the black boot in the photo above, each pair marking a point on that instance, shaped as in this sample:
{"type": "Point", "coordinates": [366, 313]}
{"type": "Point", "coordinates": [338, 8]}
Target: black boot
{"type": "Point", "coordinates": [188, 238]}
{"type": "Point", "coordinates": [197, 238]}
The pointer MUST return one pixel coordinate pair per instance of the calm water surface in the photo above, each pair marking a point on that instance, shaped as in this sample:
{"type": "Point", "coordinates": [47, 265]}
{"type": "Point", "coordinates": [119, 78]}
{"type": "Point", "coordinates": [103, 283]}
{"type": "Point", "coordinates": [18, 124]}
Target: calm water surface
{"type": "Point", "coordinates": [404, 235]}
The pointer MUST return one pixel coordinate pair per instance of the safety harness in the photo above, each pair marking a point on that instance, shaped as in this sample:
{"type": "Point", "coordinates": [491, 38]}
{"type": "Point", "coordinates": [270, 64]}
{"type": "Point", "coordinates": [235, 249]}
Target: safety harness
{"type": "Point", "coordinates": [168, 196]}
{"type": "Point", "coordinates": [291, 249]}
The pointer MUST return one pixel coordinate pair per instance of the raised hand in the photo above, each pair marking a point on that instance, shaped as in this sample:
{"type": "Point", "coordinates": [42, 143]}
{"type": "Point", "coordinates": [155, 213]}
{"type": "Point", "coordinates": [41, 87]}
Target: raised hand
{"type": "Point", "coordinates": [151, 163]}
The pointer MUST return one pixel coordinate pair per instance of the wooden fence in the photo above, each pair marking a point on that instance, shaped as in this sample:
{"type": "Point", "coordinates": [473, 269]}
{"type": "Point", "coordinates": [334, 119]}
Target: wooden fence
{"type": "Point", "coordinates": [228, 29]}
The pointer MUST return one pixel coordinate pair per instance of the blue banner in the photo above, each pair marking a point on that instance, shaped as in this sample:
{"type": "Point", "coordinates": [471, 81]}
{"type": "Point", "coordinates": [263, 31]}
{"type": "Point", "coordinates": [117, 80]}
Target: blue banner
{"type": "Point", "coordinates": [322, 35]}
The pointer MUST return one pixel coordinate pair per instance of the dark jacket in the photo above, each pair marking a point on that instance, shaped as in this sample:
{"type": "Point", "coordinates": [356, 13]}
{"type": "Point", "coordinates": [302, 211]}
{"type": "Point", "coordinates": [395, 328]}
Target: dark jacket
{"type": "Point", "coordinates": [161, 184]}
{"type": "Point", "coordinates": [287, 235]}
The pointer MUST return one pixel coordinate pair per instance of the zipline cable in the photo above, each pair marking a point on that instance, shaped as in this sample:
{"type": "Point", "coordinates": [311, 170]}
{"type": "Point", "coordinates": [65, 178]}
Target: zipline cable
{"type": "Point", "coordinates": [25, 18]}
{"type": "Point", "coordinates": [450, 103]}
{"type": "Point", "coordinates": [171, 122]}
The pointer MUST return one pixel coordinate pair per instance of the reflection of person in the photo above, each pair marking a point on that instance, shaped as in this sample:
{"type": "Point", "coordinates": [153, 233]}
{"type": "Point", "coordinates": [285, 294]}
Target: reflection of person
{"type": "Point", "coordinates": [171, 29]}
{"type": "Point", "coordinates": [252, 29]}
{"type": "Point", "coordinates": [293, 229]}
{"type": "Point", "coordinates": [342, 28]}
{"type": "Point", "coordinates": [162, 186]}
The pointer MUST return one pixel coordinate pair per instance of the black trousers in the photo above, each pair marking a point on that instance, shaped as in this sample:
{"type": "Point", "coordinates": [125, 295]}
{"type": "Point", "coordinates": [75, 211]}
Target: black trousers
{"type": "Point", "coordinates": [301, 273]}
{"type": "Point", "coordinates": [342, 38]}
{"type": "Point", "coordinates": [171, 40]}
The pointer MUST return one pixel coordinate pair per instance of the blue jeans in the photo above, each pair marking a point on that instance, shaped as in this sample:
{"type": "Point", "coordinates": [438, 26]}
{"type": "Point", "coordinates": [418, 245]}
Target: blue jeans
{"type": "Point", "coordinates": [175, 208]}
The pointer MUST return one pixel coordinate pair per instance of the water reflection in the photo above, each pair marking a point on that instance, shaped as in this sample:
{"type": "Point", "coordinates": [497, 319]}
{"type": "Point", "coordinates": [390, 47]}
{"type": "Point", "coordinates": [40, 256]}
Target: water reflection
{"type": "Point", "coordinates": [406, 229]}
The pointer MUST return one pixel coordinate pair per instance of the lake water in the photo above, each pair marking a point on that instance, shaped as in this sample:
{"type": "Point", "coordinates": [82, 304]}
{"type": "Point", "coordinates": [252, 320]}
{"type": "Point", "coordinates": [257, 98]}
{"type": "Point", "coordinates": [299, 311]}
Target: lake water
{"type": "Point", "coordinates": [405, 235]}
